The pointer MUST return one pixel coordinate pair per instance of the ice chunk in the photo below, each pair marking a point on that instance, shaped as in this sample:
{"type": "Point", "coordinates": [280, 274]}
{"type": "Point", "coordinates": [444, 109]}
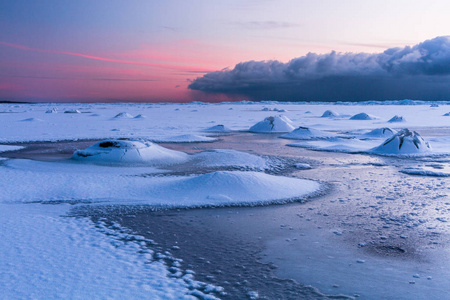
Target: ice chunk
{"type": "Point", "coordinates": [396, 118]}
{"type": "Point", "coordinates": [330, 114]}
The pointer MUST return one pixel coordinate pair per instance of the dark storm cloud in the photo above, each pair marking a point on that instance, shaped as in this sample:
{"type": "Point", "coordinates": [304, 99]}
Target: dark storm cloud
{"type": "Point", "coordinates": [418, 72]}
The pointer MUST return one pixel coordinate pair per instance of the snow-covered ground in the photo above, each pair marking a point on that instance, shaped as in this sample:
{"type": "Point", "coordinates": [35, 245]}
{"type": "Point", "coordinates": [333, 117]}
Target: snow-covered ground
{"type": "Point", "coordinates": [45, 254]}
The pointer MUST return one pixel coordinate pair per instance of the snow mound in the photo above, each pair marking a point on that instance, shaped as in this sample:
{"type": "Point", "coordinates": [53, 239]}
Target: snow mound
{"type": "Point", "coordinates": [131, 152]}
{"type": "Point", "coordinates": [303, 166]}
{"type": "Point", "coordinates": [396, 119]}
{"type": "Point", "coordinates": [186, 138]}
{"type": "Point", "coordinates": [140, 117]}
{"type": "Point", "coordinates": [72, 111]}
{"type": "Point", "coordinates": [218, 128]}
{"type": "Point", "coordinates": [305, 133]}
{"type": "Point", "coordinates": [384, 132]}
{"type": "Point", "coordinates": [447, 114]}
{"type": "Point", "coordinates": [51, 111]}
{"type": "Point", "coordinates": [363, 116]}
{"type": "Point", "coordinates": [123, 115]}
{"type": "Point", "coordinates": [273, 124]}
{"type": "Point", "coordinates": [32, 120]}
{"type": "Point", "coordinates": [330, 114]}
{"type": "Point", "coordinates": [230, 158]}
{"type": "Point", "coordinates": [403, 142]}
{"type": "Point", "coordinates": [230, 188]}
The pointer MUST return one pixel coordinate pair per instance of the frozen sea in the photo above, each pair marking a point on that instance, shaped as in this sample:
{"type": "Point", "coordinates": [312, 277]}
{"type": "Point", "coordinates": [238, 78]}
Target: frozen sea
{"type": "Point", "coordinates": [205, 201]}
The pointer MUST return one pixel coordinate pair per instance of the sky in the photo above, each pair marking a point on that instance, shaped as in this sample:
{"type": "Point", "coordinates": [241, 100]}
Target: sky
{"type": "Point", "coordinates": [200, 50]}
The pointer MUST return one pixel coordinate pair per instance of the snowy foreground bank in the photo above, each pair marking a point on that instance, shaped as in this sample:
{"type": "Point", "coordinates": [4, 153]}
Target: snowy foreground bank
{"type": "Point", "coordinates": [45, 254]}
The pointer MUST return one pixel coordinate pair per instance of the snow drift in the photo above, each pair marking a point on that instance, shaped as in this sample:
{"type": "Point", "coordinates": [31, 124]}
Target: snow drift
{"type": "Point", "coordinates": [305, 133]}
{"type": "Point", "coordinates": [273, 124]}
{"type": "Point", "coordinates": [134, 152]}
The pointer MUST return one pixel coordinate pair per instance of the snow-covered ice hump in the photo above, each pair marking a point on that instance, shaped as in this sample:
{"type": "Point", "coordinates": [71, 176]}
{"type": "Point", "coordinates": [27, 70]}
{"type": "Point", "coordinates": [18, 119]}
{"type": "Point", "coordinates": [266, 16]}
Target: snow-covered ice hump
{"type": "Point", "coordinates": [218, 128]}
{"type": "Point", "coordinates": [396, 119]}
{"type": "Point", "coordinates": [330, 114]}
{"type": "Point", "coordinates": [273, 124]}
{"type": "Point", "coordinates": [233, 188]}
{"type": "Point", "coordinates": [305, 133]}
{"type": "Point", "coordinates": [363, 116]}
{"type": "Point", "coordinates": [403, 142]}
{"type": "Point", "coordinates": [384, 132]}
{"type": "Point", "coordinates": [134, 152]}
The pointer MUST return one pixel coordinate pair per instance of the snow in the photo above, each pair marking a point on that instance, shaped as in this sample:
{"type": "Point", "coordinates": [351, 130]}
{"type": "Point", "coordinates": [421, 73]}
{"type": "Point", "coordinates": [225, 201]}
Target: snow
{"type": "Point", "coordinates": [186, 138]}
{"type": "Point", "coordinates": [84, 260]}
{"type": "Point", "coordinates": [218, 128]}
{"type": "Point", "coordinates": [403, 142]}
{"type": "Point", "coordinates": [396, 119]}
{"type": "Point", "coordinates": [46, 256]}
{"type": "Point", "coordinates": [130, 152]}
{"type": "Point", "coordinates": [363, 116]}
{"type": "Point", "coordinates": [4, 148]}
{"type": "Point", "coordinates": [330, 114]}
{"type": "Point", "coordinates": [69, 181]}
{"type": "Point", "coordinates": [273, 124]}
{"type": "Point", "coordinates": [305, 133]}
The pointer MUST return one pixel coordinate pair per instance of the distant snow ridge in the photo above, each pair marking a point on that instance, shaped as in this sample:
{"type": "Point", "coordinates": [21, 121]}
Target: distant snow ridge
{"type": "Point", "coordinates": [123, 115]}
{"type": "Point", "coordinates": [403, 142]}
{"type": "Point", "coordinates": [134, 152]}
{"type": "Point", "coordinates": [330, 114]}
{"type": "Point", "coordinates": [396, 119]}
{"type": "Point", "coordinates": [384, 132]}
{"type": "Point", "coordinates": [273, 124]}
{"type": "Point", "coordinates": [363, 116]}
{"type": "Point", "coordinates": [305, 133]}
{"type": "Point", "coordinates": [218, 128]}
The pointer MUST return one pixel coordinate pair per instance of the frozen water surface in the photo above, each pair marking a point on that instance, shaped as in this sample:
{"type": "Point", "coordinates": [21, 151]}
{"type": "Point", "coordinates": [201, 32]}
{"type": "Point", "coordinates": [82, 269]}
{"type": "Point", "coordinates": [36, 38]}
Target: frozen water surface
{"type": "Point", "coordinates": [378, 229]}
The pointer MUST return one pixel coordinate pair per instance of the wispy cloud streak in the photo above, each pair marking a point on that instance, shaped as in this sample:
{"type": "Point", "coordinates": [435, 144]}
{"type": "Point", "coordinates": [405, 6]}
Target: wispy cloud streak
{"type": "Point", "coordinates": [120, 61]}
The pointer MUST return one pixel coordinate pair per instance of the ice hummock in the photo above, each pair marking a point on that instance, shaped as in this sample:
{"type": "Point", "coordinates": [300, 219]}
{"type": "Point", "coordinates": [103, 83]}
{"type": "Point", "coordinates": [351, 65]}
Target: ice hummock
{"type": "Point", "coordinates": [72, 111]}
{"type": "Point", "coordinates": [306, 133]}
{"type": "Point", "coordinates": [123, 115]}
{"type": "Point", "coordinates": [273, 124]}
{"type": "Point", "coordinates": [363, 116]}
{"type": "Point", "coordinates": [396, 119]}
{"type": "Point", "coordinates": [384, 132]}
{"type": "Point", "coordinates": [403, 142]}
{"type": "Point", "coordinates": [134, 152]}
{"type": "Point", "coordinates": [185, 138]}
{"type": "Point", "coordinates": [330, 114]}
{"type": "Point", "coordinates": [218, 128]}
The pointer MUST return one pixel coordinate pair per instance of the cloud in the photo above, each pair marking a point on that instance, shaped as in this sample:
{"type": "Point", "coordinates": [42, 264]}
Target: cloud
{"type": "Point", "coordinates": [418, 72]}
{"type": "Point", "coordinates": [266, 25]}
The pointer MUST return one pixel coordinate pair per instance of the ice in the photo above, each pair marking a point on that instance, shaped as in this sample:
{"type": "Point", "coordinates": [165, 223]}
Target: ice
{"type": "Point", "coordinates": [123, 115]}
{"type": "Point", "coordinates": [4, 148]}
{"type": "Point", "coordinates": [384, 132]}
{"type": "Point", "coordinates": [51, 111]}
{"type": "Point", "coordinates": [305, 133]}
{"type": "Point", "coordinates": [218, 128]}
{"type": "Point", "coordinates": [330, 114]}
{"type": "Point", "coordinates": [396, 119]}
{"type": "Point", "coordinates": [72, 111]}
{"type": "Point", "coordinates": [186, 138]}
{"type": "Point", "coordinates": [403, 142]}
{"type": "Point", "coordinates": [130, 152]}
{"type": "Point", "coordinates": [230, 158]}
{"type": "Point", "coordinates": [273, 124]}
{"type": "Point", "coordinates": [447, 114]}
{"type": "Point", "coordinates": [423, 172]}
{"type": "Point", "coordinates": [363, 116]}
